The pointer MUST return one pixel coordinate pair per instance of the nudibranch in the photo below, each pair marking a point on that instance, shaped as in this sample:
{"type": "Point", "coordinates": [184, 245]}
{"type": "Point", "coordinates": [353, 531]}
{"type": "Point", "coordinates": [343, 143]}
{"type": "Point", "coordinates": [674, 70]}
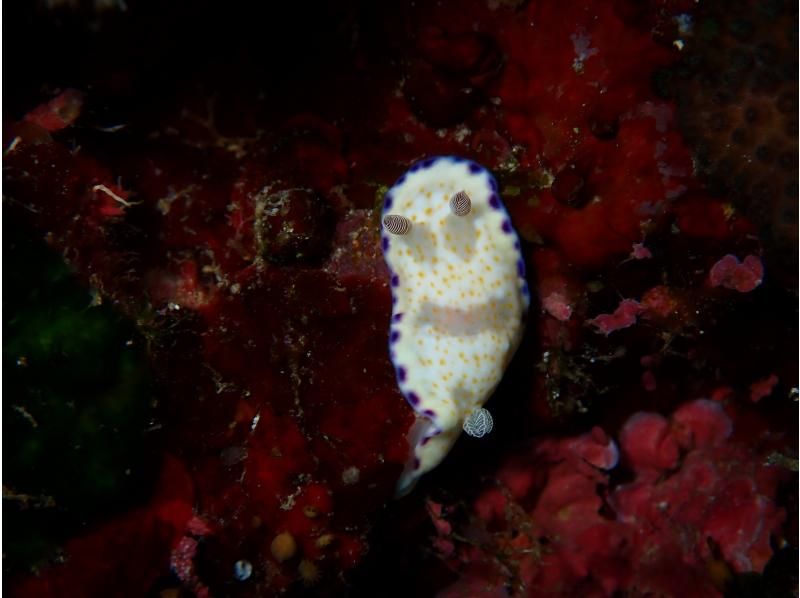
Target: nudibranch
{"type": "Point", "coordinates": [459, 301]}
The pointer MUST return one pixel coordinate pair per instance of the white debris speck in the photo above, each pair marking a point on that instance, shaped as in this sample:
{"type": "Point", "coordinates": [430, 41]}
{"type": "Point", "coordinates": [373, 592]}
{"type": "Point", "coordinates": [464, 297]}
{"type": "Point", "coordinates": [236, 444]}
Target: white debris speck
{"type": "Point", "coordinates": [547, 179]}
{"type": "Point", "coordinates": [288, 503]}
{"type": "Point", "coordinates": [242, 570]}
{"type": "Point", "coordinates": [684, 23]}
{"type": "Point", "coordinates": [14, 143]}
{"type": "Point", "coordinates": [462, 132]}
{"type": "Point", "coordinates": [662, 113]}
{"type": "Point", "coordinates": [581, 42]}
{"type": "Point", "coordinates": [351, 476]}
{"type": "Point", "coordinates": [112, 195]}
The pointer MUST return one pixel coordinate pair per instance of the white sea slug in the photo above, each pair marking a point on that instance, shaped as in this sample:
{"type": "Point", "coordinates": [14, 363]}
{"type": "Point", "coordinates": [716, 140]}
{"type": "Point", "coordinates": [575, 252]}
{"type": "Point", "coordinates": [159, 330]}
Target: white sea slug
{"type": "Point", "coordinates": [459, 301]}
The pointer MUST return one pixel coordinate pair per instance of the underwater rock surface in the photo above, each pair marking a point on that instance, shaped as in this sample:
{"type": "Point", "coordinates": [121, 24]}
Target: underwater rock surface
{"type": "Point", "coordinates": [216, 193]}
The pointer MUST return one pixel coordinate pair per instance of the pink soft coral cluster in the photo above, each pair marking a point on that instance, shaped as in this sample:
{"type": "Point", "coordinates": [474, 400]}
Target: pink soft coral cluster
{"type": "Point", "coordinates": [698, 507]}
{"type": "Point", "coordinates": [695, 489]}
{"type": "Point", "coordinates": [743, 277]}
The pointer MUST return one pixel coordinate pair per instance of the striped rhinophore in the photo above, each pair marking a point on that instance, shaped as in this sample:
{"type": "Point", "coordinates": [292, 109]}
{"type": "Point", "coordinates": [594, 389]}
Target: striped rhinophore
{"type": "Point", "coordinates": [397, 225]}
{"type": "Point", "coordinates": [460, 204]}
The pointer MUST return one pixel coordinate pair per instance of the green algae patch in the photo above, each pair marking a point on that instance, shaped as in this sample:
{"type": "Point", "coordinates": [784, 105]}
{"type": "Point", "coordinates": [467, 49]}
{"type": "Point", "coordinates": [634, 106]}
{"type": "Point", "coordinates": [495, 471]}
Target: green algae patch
{"type": "Point", "coordinates": [77, 396]}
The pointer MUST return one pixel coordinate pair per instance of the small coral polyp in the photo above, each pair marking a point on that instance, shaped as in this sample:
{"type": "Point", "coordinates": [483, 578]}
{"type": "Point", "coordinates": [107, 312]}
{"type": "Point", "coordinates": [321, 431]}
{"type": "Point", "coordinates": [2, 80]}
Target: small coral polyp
{"type": "Point", "coordinates": [459, 299]}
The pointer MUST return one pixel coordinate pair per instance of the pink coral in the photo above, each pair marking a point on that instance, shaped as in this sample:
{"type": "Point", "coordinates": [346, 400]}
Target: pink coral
{"type": "Point", "coordinates": [763, 388]}
{"type": "Point", "coordinates": [701, 424]}
{"type": "Point", "coordinates": [623, 317]}
{"type": "Point", "coordinates": [647, 443]}
{"type": "Point", "coordinates": [640, 252]}
{"type": "Point", "coordinates": [58, 113]}
{"type": "Point", "coordinates": [649, 382]}
{"type": "Point", "coordinates": [744, 277]}
{"type": "Point", "coordinates": [659, 301]}
{"type": "Point", "coordinates": [554, 515]}
{"type": "Point", "coordinates": [557, 306]}
{"type": "Point", "coordinates": [596, 448]}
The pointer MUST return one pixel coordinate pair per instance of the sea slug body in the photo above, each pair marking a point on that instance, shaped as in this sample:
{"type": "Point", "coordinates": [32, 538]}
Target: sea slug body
{"type": "Point", "coordinates": [459, 301]}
